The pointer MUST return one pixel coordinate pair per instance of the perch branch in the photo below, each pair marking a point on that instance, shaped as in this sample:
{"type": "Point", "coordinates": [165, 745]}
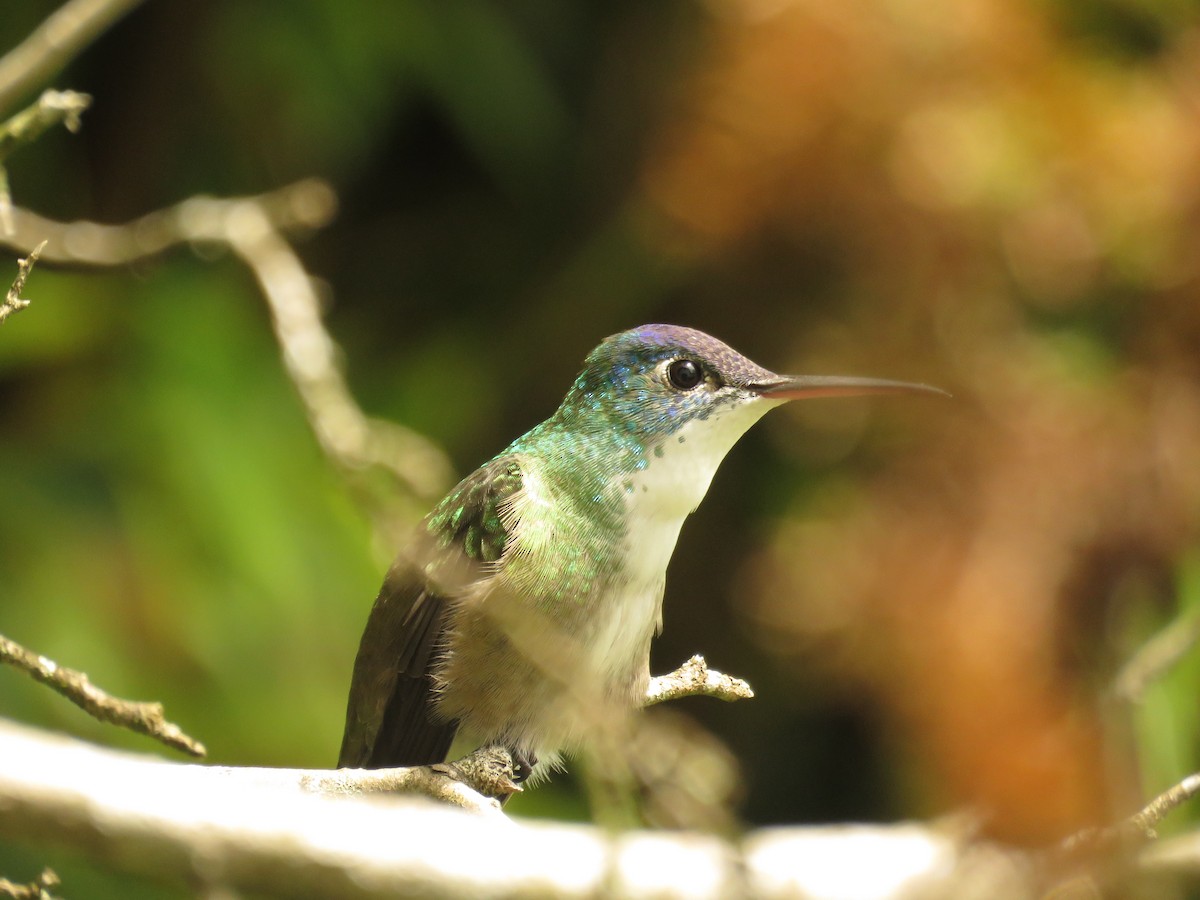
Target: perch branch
{"type": "Point", "coordinates": [252, 228]}
{"type": "Point", "coordinates": [265, 831]}
{"type": "Point", "coordinates": [694, 678]}
{"type": "Point", "coordinates": [55, 43]}
{"type": "Point", "coordinates": [12, 300]}
{"type": "Point", "coordinates": [299, 833]}
{"type": "Point", "coordinates": [144, 718]}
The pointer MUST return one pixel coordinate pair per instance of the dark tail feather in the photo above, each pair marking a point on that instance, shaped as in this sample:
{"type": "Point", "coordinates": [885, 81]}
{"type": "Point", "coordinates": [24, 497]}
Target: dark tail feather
{"type": "Point", "coordinates": [411, 733]}
{"type": "Point", "coordinates": [390, 718]}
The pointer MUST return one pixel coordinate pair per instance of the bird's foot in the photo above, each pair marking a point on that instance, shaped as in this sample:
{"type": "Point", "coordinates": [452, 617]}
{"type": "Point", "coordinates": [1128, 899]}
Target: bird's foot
{"type": "Point", "coordinates": [494, 771]}
{"type": "Point", "coordinates": [523, 763]}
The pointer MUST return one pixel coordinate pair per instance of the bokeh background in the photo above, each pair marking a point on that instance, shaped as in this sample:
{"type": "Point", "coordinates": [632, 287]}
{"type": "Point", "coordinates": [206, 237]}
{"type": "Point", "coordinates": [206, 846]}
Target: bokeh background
{"type": "Point", "coordinates": [934, 600]}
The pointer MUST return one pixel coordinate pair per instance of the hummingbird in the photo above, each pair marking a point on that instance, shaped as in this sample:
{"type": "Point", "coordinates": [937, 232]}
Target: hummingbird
{"type": "Point", "coordinates": [523, 611]}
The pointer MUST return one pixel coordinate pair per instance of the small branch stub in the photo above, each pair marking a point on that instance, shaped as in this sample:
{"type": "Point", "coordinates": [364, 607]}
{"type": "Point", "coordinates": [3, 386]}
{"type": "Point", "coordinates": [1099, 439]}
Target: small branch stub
{"type": "Point", "coordinates": [695, 678]}
{"type": "Point", "coordinates": [52, 108]}
{"type": "Point", "coordinates": [12, 300]}
{"type": "Point", "coordinates": [144, 718]}
{"type": "Point", "coordinates": [26, 126]}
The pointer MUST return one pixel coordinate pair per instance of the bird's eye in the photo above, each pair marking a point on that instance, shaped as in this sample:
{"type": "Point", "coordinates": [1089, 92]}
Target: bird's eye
{"type": "Point", "coordinates": [684, 374]}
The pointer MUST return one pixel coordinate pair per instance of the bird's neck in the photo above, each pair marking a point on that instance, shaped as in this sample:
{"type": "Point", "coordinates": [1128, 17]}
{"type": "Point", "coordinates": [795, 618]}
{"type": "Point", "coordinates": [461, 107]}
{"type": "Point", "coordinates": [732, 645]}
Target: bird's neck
{"type": "Point", "coordinates": [627, 486]}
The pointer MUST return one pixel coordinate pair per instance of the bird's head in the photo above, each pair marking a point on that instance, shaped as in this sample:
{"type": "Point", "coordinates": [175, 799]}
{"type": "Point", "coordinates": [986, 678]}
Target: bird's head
{"type": "Point", "coordinates": [659, 406]}
{"type": "Point", "coordinates": [655, 380]}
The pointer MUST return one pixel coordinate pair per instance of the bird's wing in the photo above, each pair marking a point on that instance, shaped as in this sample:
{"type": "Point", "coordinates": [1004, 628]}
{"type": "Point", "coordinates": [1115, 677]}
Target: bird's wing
{"type": "Point", "coordinates": [391, 718]}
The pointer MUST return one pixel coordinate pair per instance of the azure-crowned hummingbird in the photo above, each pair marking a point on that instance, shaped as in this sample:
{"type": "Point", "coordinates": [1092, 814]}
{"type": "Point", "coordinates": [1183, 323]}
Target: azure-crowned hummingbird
{"type": "Point", "coordinates": [523, 614]}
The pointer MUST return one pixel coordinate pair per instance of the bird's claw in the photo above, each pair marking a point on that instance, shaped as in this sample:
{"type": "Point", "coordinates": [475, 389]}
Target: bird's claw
{"type": "Point", "coordinates": [493, 771]}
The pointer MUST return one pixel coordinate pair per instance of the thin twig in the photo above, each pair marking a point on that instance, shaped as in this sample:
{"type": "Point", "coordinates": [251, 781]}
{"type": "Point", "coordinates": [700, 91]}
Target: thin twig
{"type": "Point", "coordinates": [1133, 831]}
{"type": "Point", "coordinates": [144, 718]}
{"type": "Point", "coordinates": [55, 43]}
{"type": "Point", "coordinates": [1156, 657]}
{"type": "Point", "coordinates": [12, 301]}
{"type": "Point", "coordinates": [252, 227]}
{"type": "Point", "coordinates": [1147, 818]}
{"type": "Point", "coordinates": [695, 679]}
{"type": "Point", "coordinates": [35, 890]}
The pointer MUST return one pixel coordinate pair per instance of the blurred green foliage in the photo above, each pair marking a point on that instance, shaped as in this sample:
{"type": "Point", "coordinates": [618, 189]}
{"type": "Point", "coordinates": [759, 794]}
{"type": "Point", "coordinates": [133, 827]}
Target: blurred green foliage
{"type": "Point", "coordinates": [998, 197]}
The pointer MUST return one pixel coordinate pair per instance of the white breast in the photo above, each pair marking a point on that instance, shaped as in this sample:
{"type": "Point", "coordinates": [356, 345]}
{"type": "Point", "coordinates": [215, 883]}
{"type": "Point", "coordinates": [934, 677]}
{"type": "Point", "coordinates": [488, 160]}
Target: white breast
{"type": "Point", "coordinates": [657, 500]}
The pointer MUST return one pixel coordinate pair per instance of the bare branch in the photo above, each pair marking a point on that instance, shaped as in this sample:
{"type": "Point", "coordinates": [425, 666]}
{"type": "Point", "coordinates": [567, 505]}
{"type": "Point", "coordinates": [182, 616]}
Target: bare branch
{"type": "Point", "coordinates": [144, 718]}
{"type": "Point", "coordinates": [12, 301]}
{"type": "Point", "coordinates": [308, 833]}
{"type": "Point", "coordinates": [310, 356]}
{"type": "Point", "coordinates": [252, 227]}
{"type": "Point", "coordinates": [265, 831]}
{"type": "Point", "coordinates": [54, 44]}
{"type": "Point", "coordinates": [36, 890]}
{"type": "Point", "coordinates": [302, 206]}
{"type": "Point", "coordinates": [695, 679]}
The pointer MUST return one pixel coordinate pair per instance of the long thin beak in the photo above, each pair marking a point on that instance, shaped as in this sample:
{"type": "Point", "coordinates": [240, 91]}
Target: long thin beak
{"type": "Point", "coordinates": [802, 387]}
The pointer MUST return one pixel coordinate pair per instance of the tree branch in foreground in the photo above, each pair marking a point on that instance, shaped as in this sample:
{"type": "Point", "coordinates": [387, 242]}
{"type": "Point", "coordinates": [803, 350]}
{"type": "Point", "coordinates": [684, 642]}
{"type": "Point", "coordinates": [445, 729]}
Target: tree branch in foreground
{"type": "Point", "coordinates": [12, 300]}
{"type": "Point", "coordinates": [252, 228]}
{"type": "Point", "coordinates": [318, 833]}
{"type": "Point", "coordinates": [694, 679]}
{"type": "Point", "coordinates": [144, 718]}
{"type": "Point", "coordinates": [264, 831]}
